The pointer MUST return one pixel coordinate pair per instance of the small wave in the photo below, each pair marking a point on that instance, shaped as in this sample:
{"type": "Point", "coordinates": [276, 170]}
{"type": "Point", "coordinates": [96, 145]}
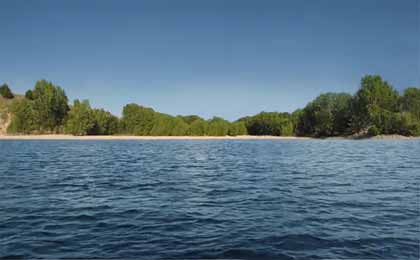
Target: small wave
{"type": "Point", "coordinates": [354, 204]}
{"type": "Point", "coordinates": [85, 217]}
{"type": "Point", "coordinates": [13, 257]}
{"type": "Point", "coordinates": [131, 211]}
{"type": "Point", "coordinates": [241, 253]}
{"type": "Point", "coordinates": [297, 242]}
{"type": "Point", "coordinates": [217, 192]}
{"type": "Point", "coordinates": [208, 221]}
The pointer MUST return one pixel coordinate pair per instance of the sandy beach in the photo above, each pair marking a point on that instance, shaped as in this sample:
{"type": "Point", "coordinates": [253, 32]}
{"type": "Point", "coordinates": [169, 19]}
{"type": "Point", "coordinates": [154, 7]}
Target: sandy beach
{"type": "Point", "coordinates": [123, 137]}
{"type": "Point", "coordinates": [241, 137]}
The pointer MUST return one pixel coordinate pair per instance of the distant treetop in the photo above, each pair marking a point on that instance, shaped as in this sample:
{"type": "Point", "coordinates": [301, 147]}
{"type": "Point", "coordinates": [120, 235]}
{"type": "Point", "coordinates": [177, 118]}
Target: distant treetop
{"type": "Point", "coordinates": [6, 92]}
{"type": "Point", "coordinates": [376, 108]}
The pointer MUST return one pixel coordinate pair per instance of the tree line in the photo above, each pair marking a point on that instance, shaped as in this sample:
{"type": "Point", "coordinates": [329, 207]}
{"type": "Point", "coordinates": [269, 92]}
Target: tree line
{"type": "Point", "coordinates": [376, 108]}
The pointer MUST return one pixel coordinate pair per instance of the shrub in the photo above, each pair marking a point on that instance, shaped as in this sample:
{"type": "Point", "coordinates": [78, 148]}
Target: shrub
{"type": "Point", "coordinates": [373, 131]}
{"type": "Point", "coordinates": [29, 95]}
{"type": "Point", "coordinates": [6, 92]}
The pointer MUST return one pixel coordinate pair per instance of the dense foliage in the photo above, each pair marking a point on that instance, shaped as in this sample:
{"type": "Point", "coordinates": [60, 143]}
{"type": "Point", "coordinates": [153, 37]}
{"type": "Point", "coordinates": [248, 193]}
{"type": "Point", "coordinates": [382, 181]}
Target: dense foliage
{"type": "Point", "coordinates": [23, 117]}
{"type": "Point", "coordinates": [50, 106]}
{"type": "Point", "coordinates": [29, 94]}
{"type": "Point", "coordinates": [327, 115]}
{"type": "Point", "coordinates": [43, 112]}
{"type": "Point", "coordinates": [379, 106]}
{"type": "Point", "coordinates": [269, 123]}
{"type": "Point", "coordinates": [410, 101]}
{"type": "Point", "coordinates": [83, 120]}
{"type": "Point", "coordinates": [376, 108]}
{"type": "Point", "coordinates": [139, 120]}
{"type": "Point", "coordinates": [105, 123]}
{"type": "Point", "coordinates": [374, 102]}
{"type": "Point", "coordinates": [6, 92]}
{"type": "Point", "coordinates": [80, 120]}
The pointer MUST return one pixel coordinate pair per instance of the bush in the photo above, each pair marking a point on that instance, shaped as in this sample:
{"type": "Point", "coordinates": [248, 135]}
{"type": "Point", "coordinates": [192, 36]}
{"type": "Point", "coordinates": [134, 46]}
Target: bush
{"type": "Point", "coordinates": [198, 128]}
{"type": "Point", "coordinates": [218, 127]}
{"type": "Point", "coordinates": [80, 119]}
{"type": "Point", "coordinates": [50, 106]}
{"type": "Point", "coordinates": [23, 119]}
{"type": "Point", "coordinates": [105, 123]}
{"type": "Point", "coordinates": [327, 115]}
{"type": "Point", "coordinates": [237, 128]}
{"type": "Point", "coordinates": [408, 124]}
{"type": "Point", "coordinates": [6, 92]}
{"type": "Point", "coordinates": [29, 95]}
{"type": "Point", "coordinates": [373, 131]}
{"type": "Point", "coordinates": [269, 123]}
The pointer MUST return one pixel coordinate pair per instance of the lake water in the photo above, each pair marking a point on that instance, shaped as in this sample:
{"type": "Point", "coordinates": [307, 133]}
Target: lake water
{"type": "Point", "coordinates": [240, 199]}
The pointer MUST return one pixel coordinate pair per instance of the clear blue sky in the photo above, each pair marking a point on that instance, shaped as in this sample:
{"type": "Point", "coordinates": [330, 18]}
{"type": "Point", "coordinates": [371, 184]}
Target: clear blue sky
{"type": "Point", "coordinates": [227, 58]}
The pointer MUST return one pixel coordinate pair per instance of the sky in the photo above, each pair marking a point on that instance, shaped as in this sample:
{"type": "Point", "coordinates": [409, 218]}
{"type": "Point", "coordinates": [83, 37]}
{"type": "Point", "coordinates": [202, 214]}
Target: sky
{"type": "Point", "coordinates": [226, 58]}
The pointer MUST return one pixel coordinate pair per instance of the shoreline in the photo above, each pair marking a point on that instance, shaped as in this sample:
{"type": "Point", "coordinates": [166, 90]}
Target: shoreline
{"type": "Point", "coordinates": [128, 137]}
{"type": "Point", "coordinates": [241, 137]}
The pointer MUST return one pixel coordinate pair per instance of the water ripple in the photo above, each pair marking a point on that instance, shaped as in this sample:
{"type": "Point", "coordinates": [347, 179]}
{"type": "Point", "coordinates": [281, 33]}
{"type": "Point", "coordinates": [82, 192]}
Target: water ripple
{"type": "Point", "coordinates": [251, 199]}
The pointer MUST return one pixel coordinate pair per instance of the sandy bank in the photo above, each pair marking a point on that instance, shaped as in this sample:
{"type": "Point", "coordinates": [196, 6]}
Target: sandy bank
{"type": "Point", "coordinates": [242, 137]}
{"type": "Point", "coordinates": [378, 137]}
{"type": "Point", "coordinates": [394, 137]}
{"type": "Point", "coordinates": [118, 137]}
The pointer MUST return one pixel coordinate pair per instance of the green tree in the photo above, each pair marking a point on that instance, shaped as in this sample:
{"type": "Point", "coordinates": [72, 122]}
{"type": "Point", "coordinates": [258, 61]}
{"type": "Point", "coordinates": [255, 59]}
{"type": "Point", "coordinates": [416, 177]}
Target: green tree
{"type": "Point", "coordinates": [29, 95]}
{"type": "Point", "coordinates": [237, 128]}
{"type": "Point", "coordinates": [105, 123]}
{"type": "Point", "coordinates": [404, 123]}
{"type": "Point", "coordinates": [295, 117]}
{"type": "Point", "coordinates": [198, 128]}
{"type": "Point", "coordinates": [23, 117]}
{"type": "Point", "coordinates": [217, 126]}
{"type": "Point", "coordinates": [269, 123]}
{"type": "Point", "coordinates": [373, 131]}
{"type": "Point", "coordinates": [385, 121]}
{"type": "Point", "coordinates": [80, 119]}
{"type": "Point", "coordinates": [162, 125]}
{"type": "Point", "coordinates": [374, 95]}
{"type": "Point", "coordinates": [409, 124]}
{"type": "Point", "coordinates": [50, 105]}
{"type": "Point", "coordinates": [166, 125]}
{"type": "Point", "coordinates": [190, 119]}
{"type": "Point", "coordinates": [179, 127]}
{"type": "Point", "coordinates": [411, 101]}
{"type": "Point", "coordinates": [138, 120]}
{"type": "Point", "coordinates": [6, 92]}
{"type": "Point", "coordinates": [327, 115]}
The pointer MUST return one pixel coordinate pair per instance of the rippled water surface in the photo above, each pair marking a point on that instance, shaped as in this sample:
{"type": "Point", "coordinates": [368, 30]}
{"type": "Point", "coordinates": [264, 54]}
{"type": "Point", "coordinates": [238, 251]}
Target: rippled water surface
{"type": "Point", "coordinates": [250, 199]}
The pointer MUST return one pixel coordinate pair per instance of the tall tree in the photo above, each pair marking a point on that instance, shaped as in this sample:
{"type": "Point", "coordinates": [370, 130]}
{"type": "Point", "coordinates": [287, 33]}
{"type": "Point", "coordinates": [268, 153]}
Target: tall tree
{"type": "Point", "coordinates": [218, 127]}
{"type": "Point", "coordinates": [105, 123]}
{"type": "Point", "coordinates": [80, 119]}
{"type": "Point", "coordinates": [373, 96]}
{"type": "Point", "coordinates": [179, 127]}
{"type": "Point", "coordinates": [23, 117]}
{"type": "Point", "coordinates": [50, 105]}
{"type": "Point", "coordinates": [162, 125]}
{"type": "Point", "coordinates": [137, 120]}
{"type": "Point", "coordinates": [327, 115]}
{"type": "Point", "coordinates": [411, 101]}
{"type": "Point", "coordinates": [237, 128]}
{"type": "Point", "coordinates": [199, 127]}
